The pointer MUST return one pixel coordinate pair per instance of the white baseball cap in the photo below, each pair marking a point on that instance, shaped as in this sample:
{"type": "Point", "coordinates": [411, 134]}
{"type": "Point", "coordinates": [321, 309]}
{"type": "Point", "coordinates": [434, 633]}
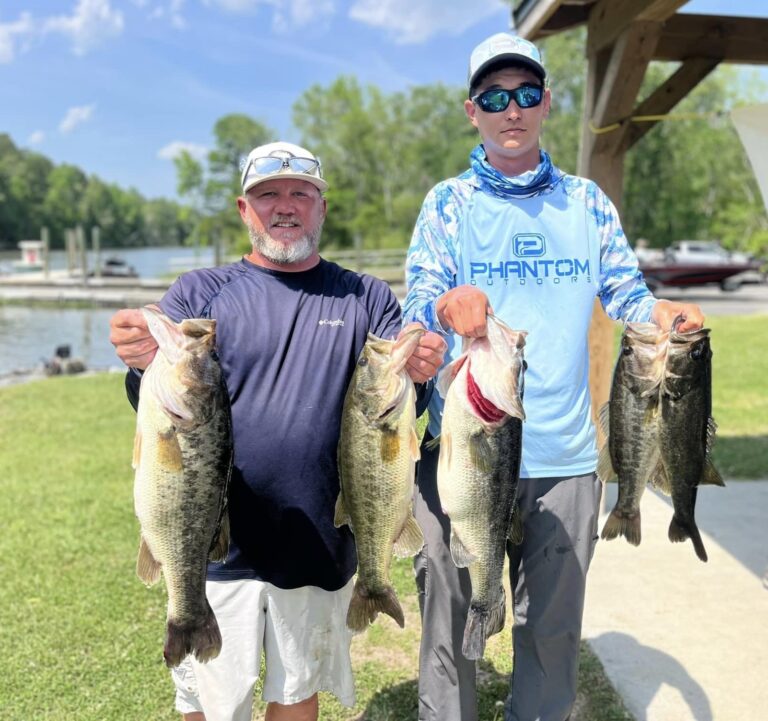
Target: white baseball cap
{"type": "Point", "coordinates": [503, 47]}
{"type": "Point", "coordinates": [282, 160]}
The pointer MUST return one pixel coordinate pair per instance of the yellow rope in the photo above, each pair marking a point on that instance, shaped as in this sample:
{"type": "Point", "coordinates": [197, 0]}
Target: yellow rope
{"type": "Point", "coordinates": [650, 119]}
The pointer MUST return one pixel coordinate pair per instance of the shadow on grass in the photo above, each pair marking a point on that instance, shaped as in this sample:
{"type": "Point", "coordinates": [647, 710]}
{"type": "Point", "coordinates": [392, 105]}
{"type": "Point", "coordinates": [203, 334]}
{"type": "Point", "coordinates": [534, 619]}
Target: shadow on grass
{"type": "Point", "coordinates": [401, 701]}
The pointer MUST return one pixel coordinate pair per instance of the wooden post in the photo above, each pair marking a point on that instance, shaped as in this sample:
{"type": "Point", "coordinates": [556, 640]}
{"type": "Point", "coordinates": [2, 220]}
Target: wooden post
{"type": "Point", "coordinates": [96, 246]}
{"type": "Point", "coordinates": [83, 252]}
{"type": "Point", "coordinates": [617, 65]}
{"type": "Point", "coordinates": [45, 237]}
{"type": "Point", "coordinates": [69, 243]}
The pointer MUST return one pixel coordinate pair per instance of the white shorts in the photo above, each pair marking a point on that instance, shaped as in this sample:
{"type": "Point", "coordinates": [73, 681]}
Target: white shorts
{"type": "Point", "coordinates": [303, 633]}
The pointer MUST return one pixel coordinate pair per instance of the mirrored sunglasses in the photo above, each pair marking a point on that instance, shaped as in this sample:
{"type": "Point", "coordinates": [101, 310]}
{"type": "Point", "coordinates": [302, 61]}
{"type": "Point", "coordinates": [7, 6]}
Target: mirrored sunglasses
{"type": "Point", "coordinates": [497, 99]}
{"type": "Point", "coordinates": [275, 164]}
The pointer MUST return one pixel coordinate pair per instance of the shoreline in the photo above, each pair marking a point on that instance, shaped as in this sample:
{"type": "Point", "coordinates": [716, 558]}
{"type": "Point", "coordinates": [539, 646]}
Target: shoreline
{"type": "Point", "coordinates": [21, 376]}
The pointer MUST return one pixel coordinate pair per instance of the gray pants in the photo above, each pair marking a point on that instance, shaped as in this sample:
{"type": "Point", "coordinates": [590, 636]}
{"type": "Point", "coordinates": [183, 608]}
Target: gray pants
{"type": "Point", "coordinates": [548, 575]}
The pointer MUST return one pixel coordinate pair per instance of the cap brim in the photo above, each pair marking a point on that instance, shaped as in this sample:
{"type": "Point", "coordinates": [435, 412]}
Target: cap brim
{"type": "Point", "coordinates": [319, 183]}
{"type": "Point", "coordinates": [508, 59]}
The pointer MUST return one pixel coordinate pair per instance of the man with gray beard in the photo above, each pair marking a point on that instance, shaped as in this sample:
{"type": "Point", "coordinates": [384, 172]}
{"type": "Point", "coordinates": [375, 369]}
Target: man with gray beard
{"type": "Point", "coordinates": [289, 329]}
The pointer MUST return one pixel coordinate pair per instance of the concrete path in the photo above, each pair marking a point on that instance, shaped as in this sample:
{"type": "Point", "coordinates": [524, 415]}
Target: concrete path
{"type": "Point", "coordinates": [680, 639]}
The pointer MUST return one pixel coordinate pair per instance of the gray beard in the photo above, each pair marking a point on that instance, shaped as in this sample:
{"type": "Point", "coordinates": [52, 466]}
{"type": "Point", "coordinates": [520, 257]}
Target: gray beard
{"type": "Point", "coordinates": [281, 253]}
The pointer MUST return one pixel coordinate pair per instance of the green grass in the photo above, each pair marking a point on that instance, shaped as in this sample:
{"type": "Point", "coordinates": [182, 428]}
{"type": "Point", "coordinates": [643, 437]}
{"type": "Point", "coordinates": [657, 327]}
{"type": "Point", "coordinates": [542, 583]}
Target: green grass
{"type": "Point", "coordinates": [740, 395]}
{"type": "Point", "coordinates": [81, 635]}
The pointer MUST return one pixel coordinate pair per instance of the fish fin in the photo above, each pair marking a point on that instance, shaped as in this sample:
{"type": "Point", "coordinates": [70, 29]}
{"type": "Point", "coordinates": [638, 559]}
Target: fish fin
{"type": "Point", "coordinates": [433, 443]}
{"type": "Point", "coordinates": [711, 432]}
{"type": "Point", "coordinates": [147, 568]}
{"type": "Point", "coordinates": [480, 626]}
{"type": "Point", "coordinates": [169, 337]}
{"type": "Point", "coordinates": [220, 546]}
{"type": "Point", "coordinates": [711, 476]}
{"type": "Point", "coordinates": [605, 470]}
{"type": "Point", "coordinates": [604, 417]}
{"type": "Point", "coordinates": [680, 530]}
{"type": "Point", "coordinates": [136, 450]}
{"type": "Point", "coordinates": [448, 373]}
{"type": "Point", "coordinates": [411, 539]}
{"type": "Point", "coordinates": [365, 605]}
{"type": "Point", "coordinates": [620, 523]}
{"type": "Point", "coordinates": [169, 452]}
{"type": "Point", "coordinates": [415, 452]}
{"type": "Point", "coordinates": [480, 452]}
{"type": "Point", "coordinates": [659, 478]}
{"type": "Point", "coordinates": [340, 516]}
{"type": "Point", "coordinates": [390, 445]}
{"type": "Point", "coordinates": [516, 527]}
{"type": "Point", "coordinates": [203, 639]}
{"type": "Point", "coordinates": [459, 553]}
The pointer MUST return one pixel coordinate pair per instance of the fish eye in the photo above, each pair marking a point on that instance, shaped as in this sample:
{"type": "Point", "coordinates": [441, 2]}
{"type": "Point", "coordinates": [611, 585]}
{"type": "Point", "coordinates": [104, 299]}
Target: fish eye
{"type": "Point", "coordinates": [362, 361]}
{"type": "Point", "coordinates": [697, 352]}
{"type": "Point", "coordinates": [626, 349]}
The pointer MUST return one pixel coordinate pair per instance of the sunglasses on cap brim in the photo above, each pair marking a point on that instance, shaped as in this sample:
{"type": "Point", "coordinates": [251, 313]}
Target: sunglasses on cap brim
{"type": "Point", "coordinates": [272, 165]}
{"type": "Point", "coordinates": [497, 99]}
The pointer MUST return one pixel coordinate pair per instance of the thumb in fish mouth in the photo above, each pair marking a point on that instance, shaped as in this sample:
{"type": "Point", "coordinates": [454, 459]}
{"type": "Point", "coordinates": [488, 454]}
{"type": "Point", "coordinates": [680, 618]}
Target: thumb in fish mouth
{"type": "Point", "coordinates": [405, 344]}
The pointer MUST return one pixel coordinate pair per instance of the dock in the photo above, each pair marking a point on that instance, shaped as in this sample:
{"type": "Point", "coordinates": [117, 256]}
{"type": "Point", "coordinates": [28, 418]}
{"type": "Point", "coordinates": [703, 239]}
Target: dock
{"type": "Point", "coordinates": [113, 292]}
{"type": "Point", "coordinates": [59, 287]}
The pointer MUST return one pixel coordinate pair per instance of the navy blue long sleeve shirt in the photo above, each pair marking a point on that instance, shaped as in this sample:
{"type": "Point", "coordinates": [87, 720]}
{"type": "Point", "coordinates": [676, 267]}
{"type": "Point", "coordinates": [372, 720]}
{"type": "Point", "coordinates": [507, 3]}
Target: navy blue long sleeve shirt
{"type": "Point", "coordinates": [288, 344]}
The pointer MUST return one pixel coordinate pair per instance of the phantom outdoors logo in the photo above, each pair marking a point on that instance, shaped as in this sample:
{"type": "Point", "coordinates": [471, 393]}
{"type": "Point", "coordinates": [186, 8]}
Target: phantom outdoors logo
{"type": "Point", "coordinates": [530, 266]}
{"type": "Point", "coordinates": [529, 245]}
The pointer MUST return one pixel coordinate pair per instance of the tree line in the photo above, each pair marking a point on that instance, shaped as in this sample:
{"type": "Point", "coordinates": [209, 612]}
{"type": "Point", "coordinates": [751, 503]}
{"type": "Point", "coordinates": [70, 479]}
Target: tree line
{"type": "Point", "coordinates": [381, 153]}
{"type": "Point", "coordinates": [34, 192]}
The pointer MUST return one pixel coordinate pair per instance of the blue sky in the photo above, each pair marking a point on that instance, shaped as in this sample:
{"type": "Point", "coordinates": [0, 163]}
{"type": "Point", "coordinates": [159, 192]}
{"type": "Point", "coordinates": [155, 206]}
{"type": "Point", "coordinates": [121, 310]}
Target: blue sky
{"type": "Point", "coordinates": [117, 86]}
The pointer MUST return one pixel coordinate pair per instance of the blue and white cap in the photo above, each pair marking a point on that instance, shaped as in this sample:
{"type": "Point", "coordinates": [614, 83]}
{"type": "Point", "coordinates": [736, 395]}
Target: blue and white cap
{"type": "Point", "coordinates": [502, 47]}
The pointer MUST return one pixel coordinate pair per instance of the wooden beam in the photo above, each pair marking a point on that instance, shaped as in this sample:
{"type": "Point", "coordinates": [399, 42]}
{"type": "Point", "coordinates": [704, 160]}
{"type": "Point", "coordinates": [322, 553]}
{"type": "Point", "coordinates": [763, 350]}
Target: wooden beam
{"type": "Point", "coordinates": [567, 17]}
{"type": "Point", "coordinates": [609, 18]}
{"type": "Point", "coordinates": [532, 15]}
{"type": "Point", "coordinates": [666, 96]}
{"type": "Point", "coordinates": [629, 60]}
{"type": "Point", "coordinates": [728, 39]}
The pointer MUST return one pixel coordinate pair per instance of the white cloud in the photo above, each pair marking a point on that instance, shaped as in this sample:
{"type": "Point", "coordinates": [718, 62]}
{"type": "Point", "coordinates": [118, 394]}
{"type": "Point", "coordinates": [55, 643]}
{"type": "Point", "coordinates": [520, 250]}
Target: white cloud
{"type": "Point", "coordinates": [92, 22]}
{"type": "Point", "coordinates": [10, 32]}
{"type": "Point", "coordinates": [76, 116]}
{"type": "Point", "coordinates": [172, 11]}
{"type": "Point", "coordinates": [414, 22]}
{"type": "Point", "coordinates": [238, 6]}
{"type": "Point", "coordinates": [287, 13]}
{"type": "Point", "coordinates": [172, 150]}
{"type": "Point", "coordinates": [301, 12]}
{"type": "Point", "coordinates": [36, 138]}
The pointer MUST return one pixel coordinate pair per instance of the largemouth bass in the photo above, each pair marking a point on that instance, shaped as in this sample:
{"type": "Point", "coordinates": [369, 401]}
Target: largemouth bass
{"type": "Point", "coordinates": [659, 428]}
{"type": "Point", "coordinates": [479, 468]}
{"type": "Point", "coordinates": [378, 450]}
{"type": "Point", "coordinates": [183, 459]}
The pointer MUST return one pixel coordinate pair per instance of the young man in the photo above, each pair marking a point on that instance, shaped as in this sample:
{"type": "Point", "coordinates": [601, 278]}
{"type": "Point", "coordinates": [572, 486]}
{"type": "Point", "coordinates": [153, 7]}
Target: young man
{"type": "Point", "coordinates": [516, 235]}
{"type": "Point", "coordinates": [290, 326]}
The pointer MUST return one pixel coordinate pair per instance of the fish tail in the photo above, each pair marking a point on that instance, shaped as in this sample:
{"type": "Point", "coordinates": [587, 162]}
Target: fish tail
{"type": "Point", "coordinates": [621, 523]}
{"type": "Point", "coordinates": [681, 530]}
{"type": "Point", "coordinates": [365, 605]}
{"type": "Point", "coordinates": [481, 625]}
{"type": "Point", "coordinates": [203, 639]}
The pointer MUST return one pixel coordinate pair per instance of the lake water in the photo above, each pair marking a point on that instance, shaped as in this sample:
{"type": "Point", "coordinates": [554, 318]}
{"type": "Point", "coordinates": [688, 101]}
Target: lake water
{"type": "Point", "coordinates": [148, 262]}
{"type": "Point", "coordinates": [30, 335]}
